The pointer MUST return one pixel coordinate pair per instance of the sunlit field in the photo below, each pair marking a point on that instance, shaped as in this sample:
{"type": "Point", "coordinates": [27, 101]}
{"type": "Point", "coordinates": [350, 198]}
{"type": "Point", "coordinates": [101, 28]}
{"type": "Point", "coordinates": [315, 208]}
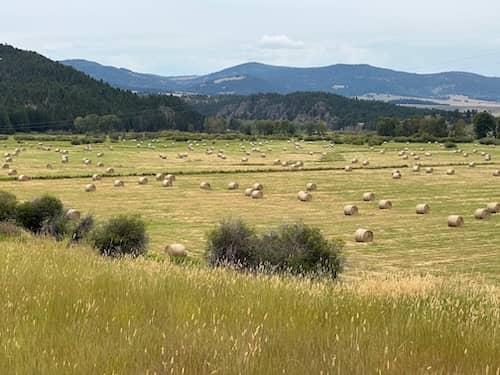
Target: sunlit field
{"type": "Point", "coordinates": [404, 241]}
{"type": "Point", "coordinates": [73, 312]}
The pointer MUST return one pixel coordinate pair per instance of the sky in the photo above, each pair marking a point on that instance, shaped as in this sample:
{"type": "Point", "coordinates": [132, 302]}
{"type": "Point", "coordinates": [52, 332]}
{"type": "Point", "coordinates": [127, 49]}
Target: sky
{"type": "Point", "coordinates": [202, 36]}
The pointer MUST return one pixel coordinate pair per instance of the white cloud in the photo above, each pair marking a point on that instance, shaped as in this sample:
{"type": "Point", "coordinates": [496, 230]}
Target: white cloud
{"type": "Point", "coordinates": [280, 42]}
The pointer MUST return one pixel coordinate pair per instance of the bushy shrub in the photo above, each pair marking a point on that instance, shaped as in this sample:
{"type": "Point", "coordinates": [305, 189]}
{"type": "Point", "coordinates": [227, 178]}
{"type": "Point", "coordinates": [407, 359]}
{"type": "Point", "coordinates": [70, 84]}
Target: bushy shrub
{"type": "Point", "coordinates": [82, 230]}
{"type": "Point", "coordinates": [8, 204]}
{"type": "Point", "coordinates": [295, 249]}
{"type": "Point", "coordinates": [121, 235]}
{"type": "Point", "coordinates": [8, 229]}
{"type": "Point", "coordinates": [300, 249]}
{"type": "Point", "coordinates": [232, 243]}
{"type": "Point", "coordinates": [45, 214]}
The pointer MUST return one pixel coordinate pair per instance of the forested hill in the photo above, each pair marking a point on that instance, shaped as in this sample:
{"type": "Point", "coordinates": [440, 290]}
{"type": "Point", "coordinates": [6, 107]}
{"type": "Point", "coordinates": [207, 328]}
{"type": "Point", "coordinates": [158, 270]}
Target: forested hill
{"type": "Point", "coordinates": [338, 112]}
{"type": "Point", "coordinates": [39, 94]}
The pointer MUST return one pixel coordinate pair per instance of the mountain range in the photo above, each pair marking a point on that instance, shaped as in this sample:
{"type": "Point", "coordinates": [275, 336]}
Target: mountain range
{"type": "Point", "coordinates": [342, 79]}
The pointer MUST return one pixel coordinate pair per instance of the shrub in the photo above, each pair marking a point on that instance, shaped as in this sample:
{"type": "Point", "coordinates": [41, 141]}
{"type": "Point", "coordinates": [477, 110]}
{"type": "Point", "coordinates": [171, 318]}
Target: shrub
{"type": "Point", "coordinates": [232, 243]}
{"type": "Point", "coordinates": [300, 249]}
{"type": "Point", "coordinates": [295, 249]}
{"type": "Point", "coordinates": [82, 230]}
{"type": "Point", "coordinates": [450, 145]}
{"type": "Point", "coordinates": [121, 235]}
{"type": "Point", "coordinates": [45, 214]}
{"type": "Point", "coordinates": [8, 204]}
{"type": "Point", "coordinates": [8, 229]}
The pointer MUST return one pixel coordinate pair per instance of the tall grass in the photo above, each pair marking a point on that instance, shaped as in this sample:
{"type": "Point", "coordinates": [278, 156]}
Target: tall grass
{"type": "Point", "coordinates": [69, 311]}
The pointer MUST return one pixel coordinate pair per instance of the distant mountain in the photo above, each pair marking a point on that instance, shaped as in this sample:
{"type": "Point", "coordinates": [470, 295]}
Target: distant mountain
{"type": "Point", "coordinates": [39, 94]}
{"type": "Point", "coordinates": [346, 80]}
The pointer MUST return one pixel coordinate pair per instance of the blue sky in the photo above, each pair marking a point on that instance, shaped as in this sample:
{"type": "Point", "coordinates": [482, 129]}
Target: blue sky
{"type": "Point", "coordinates": [195, 36]}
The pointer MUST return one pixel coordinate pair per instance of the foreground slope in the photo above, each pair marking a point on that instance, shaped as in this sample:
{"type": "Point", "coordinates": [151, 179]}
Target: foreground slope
{"type": "Point", "coordinates": [69, 311]}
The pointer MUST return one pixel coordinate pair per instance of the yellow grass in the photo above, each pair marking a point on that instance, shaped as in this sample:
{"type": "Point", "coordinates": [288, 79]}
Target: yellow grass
{"type": "Point", "coordinates": [68, 311]}
{"type": "Point", "coordinates": [403, 240]}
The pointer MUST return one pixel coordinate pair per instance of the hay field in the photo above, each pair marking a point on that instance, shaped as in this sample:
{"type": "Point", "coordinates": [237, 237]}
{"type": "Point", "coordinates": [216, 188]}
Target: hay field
{"type": "Point", "coordinates": [183, 213]}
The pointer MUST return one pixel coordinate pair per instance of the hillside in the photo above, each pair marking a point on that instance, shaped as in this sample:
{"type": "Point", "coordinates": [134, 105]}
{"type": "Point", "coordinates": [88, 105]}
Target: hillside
{"type": "Point", "coordinates": [347, 80]}
{"type": "Point", "coordinates": [338, 112]}
{"type": "Point", "coordinates": [39, 94]}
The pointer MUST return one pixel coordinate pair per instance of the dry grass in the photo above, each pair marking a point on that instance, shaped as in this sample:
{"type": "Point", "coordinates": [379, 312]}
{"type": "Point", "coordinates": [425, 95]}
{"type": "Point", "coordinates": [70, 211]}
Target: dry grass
{"type": "Point", "coordinates": [184, 213]}
{"type": "Point", "coordinates": [70, 311]}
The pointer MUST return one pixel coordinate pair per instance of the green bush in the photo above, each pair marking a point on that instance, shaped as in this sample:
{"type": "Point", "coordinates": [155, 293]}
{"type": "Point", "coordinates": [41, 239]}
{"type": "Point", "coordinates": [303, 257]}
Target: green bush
{"type": "Point", "coordinates": [8, 204]}
{"type": "Point", "coordinates": [300, 249]}
{"type": "Point", "coordinates": [232, 243]}
{"type": "Point", "coordinates": [43, 215]}
{"type": "Point", "coordinates": [121, 235]}
{"type": "Point", "coordinates": [295, 249]}
{"type": "Point", "coordinates": [82, 230]}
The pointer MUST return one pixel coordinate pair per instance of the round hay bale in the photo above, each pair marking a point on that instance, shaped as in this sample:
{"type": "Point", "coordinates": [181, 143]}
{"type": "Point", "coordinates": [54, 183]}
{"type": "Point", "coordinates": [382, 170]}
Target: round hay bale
{"type": "Point", "coordinates": [354, 161]}
{"type": "Point", "coordinates": [405, 157]}
{"type": "Point", "coordinates": [369, 196]}
{"type": "Point", "coordinates": [416, 168]}
{"type": "Point", "coordinates": [90, 188]}
{"type": "Point", "coordinates": [205, 185]}
{"type": "Point", "coordinates": [23, 178]}
{"type": "Point", "coordinates": [8, 159]}
{"type": "Point", "coordinates": [396, 175]}
{"type": "Point", "coordinates": [450, 172]}
{"type": "Point", "coordinates": [176, 250]}
{"type": "Point", "coordinates": [49, 166]}
{"type": "Point", "coordinates": [277, 162]}
{"type": "Point", "coordinates": [248, 192]}
{"type": "Point", "coordinates": [100, 154]}
{"type": "Point", "coordinates": [366, 163]}
{"type": "Point", "coordinates": [143, 181]}
{"type": "Point", "coordinates": [455, 221]}
{"type": "Point", "coordinates": [110, 170]}
{"type": "Point", "coordinates": [429, 170]}
{"type": "Point", "coordinates": [496, 173]}
{"type": "Point", "coordinates": [64, 159]}
{"type": "Point", "coordinates": [472, 164]}
{"type": "Point", "coordinates": [244, 159]}
{"type": "Point", "coordinates": [363, 235]}
{"type": "Point", "coordinates": [385, 204]}
{"type": "Point", "coordinates": [487, 157]}
{"type": "Point", "coordinates": [12, 172]}
{"type": "Point", "coordinates": [257, 186]}
{"type": "Point", "coordinates": [423, 209]}
{"type": "Point", "coordinates": [100, 165]}
{"type": "Point", "coordinates": [481, 214]}
{"type": "Point", "coordinates": [348, 168]}
{"type": "Point", "coordinates": [311, 186]}
{"type": "Point", "coordinates": [87, 162]}
{"type": "Point", "coordinates": [167, 183]}
{"type": "Point", "coordinates": [160, 176]}
{"type": "Point", "coordinates": [118, 183]}
{"type": "Point", "coordinates": [493, 207]}
{"type": "Point", "coordinates": [304, 196]}
{"type": "Point", "coordinates": [5, 166]}
{"type": "Point", "coordinates": [170, 177]}
{"type": "Point", "coordinates": [96, 177]}
{"type": "Point", "coordinates": [73, 214]}
{"type": "Point", "coordinates": [233, 186]}
{"type": "Point", "coordinates": [257, 194]}
{"type": "Point", "coordinates": [351, 210]}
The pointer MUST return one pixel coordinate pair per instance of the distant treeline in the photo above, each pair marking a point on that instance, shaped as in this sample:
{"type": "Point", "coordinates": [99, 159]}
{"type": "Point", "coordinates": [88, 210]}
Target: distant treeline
{"type": "Point", "coordinates": [482, 125]}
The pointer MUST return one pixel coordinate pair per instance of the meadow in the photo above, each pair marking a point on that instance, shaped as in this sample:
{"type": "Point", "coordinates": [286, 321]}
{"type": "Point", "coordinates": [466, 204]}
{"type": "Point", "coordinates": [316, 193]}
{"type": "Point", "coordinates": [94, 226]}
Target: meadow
{"type": "Point", "coordinates": [184, 213]}
{"type": "Point", "coordinates": [422, 298]}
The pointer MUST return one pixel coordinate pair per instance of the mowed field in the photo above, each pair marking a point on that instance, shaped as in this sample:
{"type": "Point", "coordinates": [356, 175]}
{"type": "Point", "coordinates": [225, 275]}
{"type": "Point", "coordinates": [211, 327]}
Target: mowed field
{"type": "Point", "coordinates": [404, 241]}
